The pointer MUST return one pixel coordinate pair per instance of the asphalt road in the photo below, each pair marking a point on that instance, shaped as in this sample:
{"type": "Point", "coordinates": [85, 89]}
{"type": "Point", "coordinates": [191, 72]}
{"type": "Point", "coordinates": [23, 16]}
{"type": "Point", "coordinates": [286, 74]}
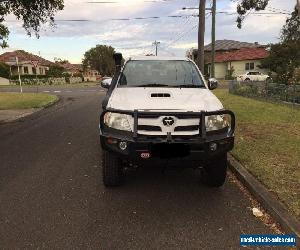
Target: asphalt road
{"type": "Point", "coordinates": [52, 197]}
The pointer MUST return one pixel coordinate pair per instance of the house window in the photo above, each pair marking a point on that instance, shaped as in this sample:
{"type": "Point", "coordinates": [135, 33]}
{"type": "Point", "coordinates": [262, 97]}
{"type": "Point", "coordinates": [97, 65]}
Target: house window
{"type": "Point", "coordinates": [25, 70]}
{"type": "Point", "coordinates": [41, 71]}
{"type": "Point", "coordinates": [34, 71]}
{"type": "Point", "coordinates": [249, 66]}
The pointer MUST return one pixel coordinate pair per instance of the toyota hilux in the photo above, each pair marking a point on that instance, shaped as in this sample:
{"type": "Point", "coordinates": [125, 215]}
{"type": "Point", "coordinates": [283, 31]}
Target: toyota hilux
{"type": "Point", "coordinates": [161, 111]}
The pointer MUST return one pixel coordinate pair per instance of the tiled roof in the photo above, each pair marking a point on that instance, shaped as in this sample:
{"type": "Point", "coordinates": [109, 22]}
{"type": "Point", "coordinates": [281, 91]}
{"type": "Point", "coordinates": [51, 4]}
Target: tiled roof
{"type": "Point", "coordinates": [24, 56]}
{"type": "Point", "coordinates": [242, 54]}
{"type": "Point", "coordinates": [71, 67]}
{"type": "Point", "coordinates": [232, 45]}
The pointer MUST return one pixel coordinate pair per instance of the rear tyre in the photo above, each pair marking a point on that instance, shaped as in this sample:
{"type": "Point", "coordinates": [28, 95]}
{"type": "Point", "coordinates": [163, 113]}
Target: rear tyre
{"type": "Point", "coordinates": [215, 171]}
{"type": "Point", "coordinates": [247, 80]}
{"type": "Point", "coordinates": [113, 174]}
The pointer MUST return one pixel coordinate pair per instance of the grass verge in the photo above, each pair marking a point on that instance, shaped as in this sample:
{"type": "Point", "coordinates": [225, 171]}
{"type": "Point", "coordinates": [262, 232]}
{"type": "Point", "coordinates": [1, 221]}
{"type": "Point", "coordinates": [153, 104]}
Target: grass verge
{"type": "Point", "coordinates": [268, 144]}
{"type": "Point", "coordinates": [25, 100]}
{"type": "Point", "coordinates": [64, 85]}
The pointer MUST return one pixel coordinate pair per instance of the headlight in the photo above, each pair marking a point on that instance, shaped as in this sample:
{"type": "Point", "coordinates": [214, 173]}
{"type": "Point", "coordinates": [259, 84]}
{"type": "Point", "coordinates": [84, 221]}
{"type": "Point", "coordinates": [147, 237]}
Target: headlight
{"type": "Point", "coordinates": [217, 122]}
{"type": "Point", "coordinates": [117, 121]}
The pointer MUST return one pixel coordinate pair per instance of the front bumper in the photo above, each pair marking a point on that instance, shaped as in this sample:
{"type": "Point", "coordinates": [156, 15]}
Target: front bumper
{"type": "Point", "coordinates": [142, 148]}
{"type": "Point", "coordinates": [184, 150]}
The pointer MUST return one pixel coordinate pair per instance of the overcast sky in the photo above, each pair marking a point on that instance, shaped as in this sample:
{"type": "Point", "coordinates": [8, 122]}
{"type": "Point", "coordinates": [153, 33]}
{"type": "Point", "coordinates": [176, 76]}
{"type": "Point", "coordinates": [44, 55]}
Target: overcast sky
{"type": "Point", "coordinates": [69, 40]}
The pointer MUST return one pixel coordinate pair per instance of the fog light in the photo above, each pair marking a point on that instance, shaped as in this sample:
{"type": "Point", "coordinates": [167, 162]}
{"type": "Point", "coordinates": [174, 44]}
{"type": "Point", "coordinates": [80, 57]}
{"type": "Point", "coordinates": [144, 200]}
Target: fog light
{"type": "Point", "coordinates": [213, 146]}
{"type": "Point", "coordinates": [122, 145]}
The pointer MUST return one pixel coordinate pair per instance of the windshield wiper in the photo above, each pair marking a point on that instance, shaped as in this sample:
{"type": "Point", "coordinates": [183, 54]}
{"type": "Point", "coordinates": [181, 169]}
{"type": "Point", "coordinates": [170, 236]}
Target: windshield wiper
{"type": "Point", "coordinates": [152, 85]}
{"type": "Point", "coordinates": [189, 86]}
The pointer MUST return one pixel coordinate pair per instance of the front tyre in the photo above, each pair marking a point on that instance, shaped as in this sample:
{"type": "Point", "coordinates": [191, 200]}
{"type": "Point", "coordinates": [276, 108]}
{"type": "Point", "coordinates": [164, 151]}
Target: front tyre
{"type": "Point", "coordinates": [112, 170]}
{"type": "Point", "coordinates": [215, 171]}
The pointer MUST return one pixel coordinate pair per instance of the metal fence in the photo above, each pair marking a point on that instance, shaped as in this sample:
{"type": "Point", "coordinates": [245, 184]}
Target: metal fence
{"type": "Point", "coordinates": [274, 91]}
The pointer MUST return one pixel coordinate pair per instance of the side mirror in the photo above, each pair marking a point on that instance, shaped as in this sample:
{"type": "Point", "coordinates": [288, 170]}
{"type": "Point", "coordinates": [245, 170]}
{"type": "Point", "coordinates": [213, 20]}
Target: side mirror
{"type": "Point", "coordinates": [106, 83]}
{"type": "Point", "coordinates": [212, 83]}
{"type": "Point", "coordinates": [118, 59]}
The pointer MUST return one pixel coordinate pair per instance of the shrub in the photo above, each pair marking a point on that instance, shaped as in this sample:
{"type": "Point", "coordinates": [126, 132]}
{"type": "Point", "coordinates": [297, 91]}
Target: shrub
{"type": "Point", "coordinates": [275, 91]}
{"type": "Point", "coordinates": [4, 70]}
{"type": "Point", "coordinates": [245, 90]}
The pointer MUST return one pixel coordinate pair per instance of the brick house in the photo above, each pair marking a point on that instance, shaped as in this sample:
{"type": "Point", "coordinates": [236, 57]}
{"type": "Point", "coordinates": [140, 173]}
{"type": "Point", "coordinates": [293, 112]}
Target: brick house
{"type": "Point", "coordinates": [239, 61]}
{"type": "Point", "coordinates": [29, 64]}
{"type": "Point", "coordinates": [233, 55]}
{"type": "Point", "coordinates": [71, 69]}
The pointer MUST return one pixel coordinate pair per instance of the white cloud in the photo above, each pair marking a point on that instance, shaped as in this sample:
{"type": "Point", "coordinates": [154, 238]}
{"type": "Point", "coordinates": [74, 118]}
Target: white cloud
{"type": "Point", "coordinates": [72, 39]}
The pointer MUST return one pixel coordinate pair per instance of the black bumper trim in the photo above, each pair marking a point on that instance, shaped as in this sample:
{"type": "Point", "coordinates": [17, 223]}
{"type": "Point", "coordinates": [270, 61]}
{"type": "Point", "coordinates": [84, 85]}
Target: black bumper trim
{"type": "Point", "coordinates": [198, 151]}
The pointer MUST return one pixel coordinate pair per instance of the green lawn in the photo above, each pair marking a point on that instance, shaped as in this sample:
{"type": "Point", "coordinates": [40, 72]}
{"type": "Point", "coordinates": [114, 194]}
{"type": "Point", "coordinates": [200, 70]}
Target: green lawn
{"type": "Point", "coordinates": [25, 100]}
{"type": "Point", "coordinates": [268, 144]}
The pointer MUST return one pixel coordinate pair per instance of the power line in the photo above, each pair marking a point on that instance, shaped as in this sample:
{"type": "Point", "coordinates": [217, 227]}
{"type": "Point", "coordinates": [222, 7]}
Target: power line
{"type": "Point", "coordinates": [255, 13]}
{"type": "Point", "coordinates": [157, 17]}
{"type": "Point", "coordinates": [181, 36]}
{"type": "Point", "coordinates": [183, 27]}
{"type": "Point", "coordinates": [117, 19]}
{"type": "Point", "coordinates": [134, 47]}
{"type": "Point", "coordinates": [179, 33]}
{"type": "Point", "coordinates": [185, 33]}
{"type": "Point", "coordinates": [270, 8]}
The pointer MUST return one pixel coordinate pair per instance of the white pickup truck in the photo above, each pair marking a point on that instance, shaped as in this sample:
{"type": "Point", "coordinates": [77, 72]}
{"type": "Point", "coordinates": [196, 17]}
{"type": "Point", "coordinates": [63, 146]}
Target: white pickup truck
{"type": "Point", "coordinates": [253, 76]}
{"type": "Point", "coordinates": [161, 111]}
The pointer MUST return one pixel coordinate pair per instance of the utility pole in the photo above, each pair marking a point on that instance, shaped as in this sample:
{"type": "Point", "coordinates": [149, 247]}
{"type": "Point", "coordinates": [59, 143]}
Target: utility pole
{"type": "Point", "coordinates": [298, 3]}
{"type": "Point", "coordinates": [156, 43]}
{"type": "Point", "coordinates": [20, 81]}
{"type": "Point", "coordinates": [201, 33]}
{"type": "Point", "coordinates": [213, 38]}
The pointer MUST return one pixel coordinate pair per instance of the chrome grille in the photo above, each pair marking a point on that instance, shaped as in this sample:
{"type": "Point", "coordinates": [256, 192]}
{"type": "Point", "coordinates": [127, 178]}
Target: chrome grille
{"type": "Point", "coordinates": [153, 125]}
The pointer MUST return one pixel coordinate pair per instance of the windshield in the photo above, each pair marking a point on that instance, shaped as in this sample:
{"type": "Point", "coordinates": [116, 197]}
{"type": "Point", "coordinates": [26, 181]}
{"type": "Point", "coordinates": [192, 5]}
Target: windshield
{"type": "Point", "coordinates": [160, 74]}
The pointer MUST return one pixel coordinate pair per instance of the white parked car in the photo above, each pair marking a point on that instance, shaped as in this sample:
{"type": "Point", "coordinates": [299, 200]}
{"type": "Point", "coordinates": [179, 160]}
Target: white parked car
{"type": "Point", "coordinates": [105, 83]}
{"type": "Point", "coordinates": [161, 111]}
{"type": "Point", "coordinates": [253, 76]}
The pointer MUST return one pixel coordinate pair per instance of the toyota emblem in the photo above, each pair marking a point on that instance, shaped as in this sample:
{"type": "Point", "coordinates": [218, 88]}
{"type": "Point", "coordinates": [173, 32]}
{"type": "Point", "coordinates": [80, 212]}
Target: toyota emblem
{"type": "Point", "coordinates": [168, 121]}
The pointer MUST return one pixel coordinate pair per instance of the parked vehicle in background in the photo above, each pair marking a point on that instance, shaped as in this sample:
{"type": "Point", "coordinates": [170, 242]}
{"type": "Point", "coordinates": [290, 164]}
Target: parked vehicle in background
{"type": "Point", "coordinates": [161, 111]}
{"type": "Point", "coordinates": [253, 76]}
{"type": "Point", "coordinates": [106, 81]}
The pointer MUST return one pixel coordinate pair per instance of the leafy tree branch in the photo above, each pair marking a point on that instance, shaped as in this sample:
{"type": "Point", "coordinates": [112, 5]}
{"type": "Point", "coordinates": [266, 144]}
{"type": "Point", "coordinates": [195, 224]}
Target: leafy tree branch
{"type": "Point", "coordinates": [33, 13]}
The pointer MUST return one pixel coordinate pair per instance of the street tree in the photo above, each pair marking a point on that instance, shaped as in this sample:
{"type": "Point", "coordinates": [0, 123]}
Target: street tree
{"type": "Point", "coordinates": [61, 61]}
{"type": "Point", "coordinates": [291, 29]}
{"type": "Point", "coordinates": [100, 58]}
{"type": "Point", "coordinates": [4, 70]}
{"type": "Point", "coordinates": [284, 58]}
{"type": "Point", "coordinates": [33, 13]}
{"type": "Point", "coordinates": [247, 5]}
{"type": "Point", "coordinates": [55, 70]}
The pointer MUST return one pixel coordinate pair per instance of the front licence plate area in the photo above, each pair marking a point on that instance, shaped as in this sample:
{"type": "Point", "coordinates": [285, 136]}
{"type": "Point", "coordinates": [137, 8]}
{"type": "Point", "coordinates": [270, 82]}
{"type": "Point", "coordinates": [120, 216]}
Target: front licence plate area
{"type": "Point", "coordinates": [170, 150]}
